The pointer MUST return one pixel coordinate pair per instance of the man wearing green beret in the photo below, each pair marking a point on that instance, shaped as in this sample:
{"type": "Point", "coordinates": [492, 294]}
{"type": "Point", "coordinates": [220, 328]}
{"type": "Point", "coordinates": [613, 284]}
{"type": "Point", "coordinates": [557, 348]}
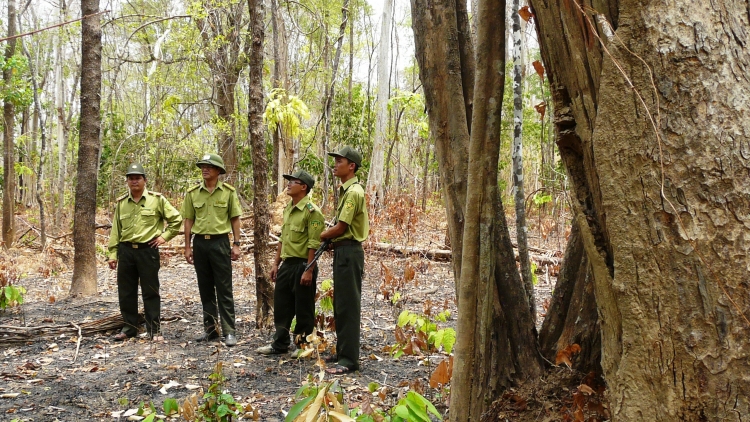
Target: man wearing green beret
{"type": "Point", "coordinates": [351, 229]}
{"type": "Point", "coordinates": [211, 210]}
{"type": "Point", "coordinates": [138, 229]}
{"type": "Point", "coordinates": [294, 293]}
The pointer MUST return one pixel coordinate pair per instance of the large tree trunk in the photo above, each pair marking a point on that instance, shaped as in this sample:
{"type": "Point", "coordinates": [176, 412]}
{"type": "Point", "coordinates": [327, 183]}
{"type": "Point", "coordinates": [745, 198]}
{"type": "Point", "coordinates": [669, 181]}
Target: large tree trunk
{"type": "Point", "coordinates": [377, 165]}
{"type": "Point", "coordinates": [496, 343]}
{"type": "Point", "coordinates": [447, 74]}
{"type": "Point", "coordinates": [658, 163]}
{"type": "Point", "coordinates": [261, 216]}
{"type": "Point", "coordinates": [84, 235]}
{"type": "Point", "coordinates": [9, 116]}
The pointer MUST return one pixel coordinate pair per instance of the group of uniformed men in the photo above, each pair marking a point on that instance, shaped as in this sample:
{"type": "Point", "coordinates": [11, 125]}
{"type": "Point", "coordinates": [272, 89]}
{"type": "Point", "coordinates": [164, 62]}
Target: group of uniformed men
{"type": "Point", "coordinates": [144, 220]}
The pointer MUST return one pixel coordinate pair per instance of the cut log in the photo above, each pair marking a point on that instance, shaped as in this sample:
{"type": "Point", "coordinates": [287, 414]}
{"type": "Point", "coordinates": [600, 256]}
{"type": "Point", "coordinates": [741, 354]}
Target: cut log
{"type": "Point", "coordinates": [13, 335]}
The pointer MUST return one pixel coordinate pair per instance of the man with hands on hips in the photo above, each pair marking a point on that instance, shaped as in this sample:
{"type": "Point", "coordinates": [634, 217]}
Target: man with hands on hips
{"type": "Point", "coordinates": [138, 229]}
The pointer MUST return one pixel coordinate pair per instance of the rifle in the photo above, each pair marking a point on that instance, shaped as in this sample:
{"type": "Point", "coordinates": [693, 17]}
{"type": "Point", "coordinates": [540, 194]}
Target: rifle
{"type": "Point", "coordinates": [318, 252]}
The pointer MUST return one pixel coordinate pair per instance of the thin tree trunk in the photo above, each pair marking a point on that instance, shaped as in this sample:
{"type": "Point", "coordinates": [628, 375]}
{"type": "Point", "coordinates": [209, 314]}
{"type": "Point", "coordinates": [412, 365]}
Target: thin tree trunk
{"type": "Point", "coordinates": [62, 138]}
{"type": "Point", "coordinates": [261, 216]}
{"type": "Point", "coordinates": [42, 153]}
{"type": "Point", "coordinates": [377, 164]}
{"type": "Point", "coordinates": [425, 170]}
{"type": "Point", "coordinates": [84, 235]}
{"type": "Point", "coordinates": [9, 174]}
{"type": "Point", "coordinates": [520, 197]}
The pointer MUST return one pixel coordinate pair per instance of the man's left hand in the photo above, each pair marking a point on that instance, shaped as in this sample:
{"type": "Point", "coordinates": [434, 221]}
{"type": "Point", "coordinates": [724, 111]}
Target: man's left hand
{"type": "Point", "coordinates": [306, 279]}
{"type": "Point", "coordinates": [156, 242]}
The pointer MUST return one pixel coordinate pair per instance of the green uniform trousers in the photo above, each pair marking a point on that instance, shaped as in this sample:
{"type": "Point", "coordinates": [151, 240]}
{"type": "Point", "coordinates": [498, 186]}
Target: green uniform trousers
{"type": "Point", "coordinates": [213, 267]}
{"type": "Point", "coordinates": [134, 264]}
{"type": "Point", "coordinates": [348, 269]}
{"type": "Point", "coordinates": [290, 298]}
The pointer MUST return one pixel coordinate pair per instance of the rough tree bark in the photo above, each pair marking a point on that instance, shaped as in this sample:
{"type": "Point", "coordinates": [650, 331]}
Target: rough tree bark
{"type": "Point", "coordinates": [9, 115]}
{"type": "Point", "coordinates": [496, 343]}
{"type": "Point", "coordinates": [654, 135]}
{"type": "Point", "coordinates": [446, 70]}
{"type": "Point", "coordinates": [377, 163]}
{"type": "Point", "coordinates": [261, 215]}
{"type": "Point", "coordinates": [84, 221]}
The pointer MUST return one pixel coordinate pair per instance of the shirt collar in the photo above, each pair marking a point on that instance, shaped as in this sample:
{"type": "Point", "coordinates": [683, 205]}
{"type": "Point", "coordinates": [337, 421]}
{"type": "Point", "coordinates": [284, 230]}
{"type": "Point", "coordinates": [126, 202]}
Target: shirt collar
{"type": "Point", "coordinates": [301, 204]}
{"type": "Point", "coordinates": [219, 185]}
{"type": "Point", "coordinates": [349, 182]}
{"type": "Point", "coordinates": [144, 195]}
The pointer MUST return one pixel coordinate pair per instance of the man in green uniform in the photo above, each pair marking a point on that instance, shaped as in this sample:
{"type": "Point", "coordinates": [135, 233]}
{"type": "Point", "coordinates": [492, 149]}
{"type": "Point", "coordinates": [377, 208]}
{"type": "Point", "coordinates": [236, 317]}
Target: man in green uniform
{"type": "Point", "coordinates": [351, 229]}
{"type": "Point", "coordinates": [294, 293]}
{"type": "Point", "coordinates": [211, 210]}
{"type": "Point", "coordinates": [137, 232]}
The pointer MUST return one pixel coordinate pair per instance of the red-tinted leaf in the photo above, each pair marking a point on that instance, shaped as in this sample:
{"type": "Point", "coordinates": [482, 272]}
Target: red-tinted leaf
{"type": "Point", "coordinates": [539, 67]}
{"type": "Point", "coordinates": [525, 13]}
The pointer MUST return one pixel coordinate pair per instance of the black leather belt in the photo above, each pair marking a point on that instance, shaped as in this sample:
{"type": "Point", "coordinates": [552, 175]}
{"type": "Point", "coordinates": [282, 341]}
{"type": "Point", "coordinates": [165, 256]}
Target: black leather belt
{"type": "Point", "coordinates": [211, 236]}
{"type": "Point", "coordinates": [348, 242]}
{"type": "Point", "coordinates": [136, 245]}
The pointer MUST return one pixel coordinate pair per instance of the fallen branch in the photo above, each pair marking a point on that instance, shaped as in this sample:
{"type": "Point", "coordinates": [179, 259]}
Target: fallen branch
{"type": "Point", "coordinates": [10, 334]}
{"type": "Point", "coordinates": [445, 254]}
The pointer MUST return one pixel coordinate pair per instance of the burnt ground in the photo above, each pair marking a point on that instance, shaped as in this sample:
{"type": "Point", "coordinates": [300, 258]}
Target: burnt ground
{"type": "Point", "coordinates": [48, 379]}
{"type": "Point", "coordinates": [107, 376]}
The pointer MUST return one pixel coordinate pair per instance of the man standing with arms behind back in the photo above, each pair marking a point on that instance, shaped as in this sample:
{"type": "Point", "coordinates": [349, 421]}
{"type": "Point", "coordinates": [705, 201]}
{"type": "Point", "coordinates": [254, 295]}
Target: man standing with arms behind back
{"type": "Point", "coordinates": [351, 229]}
{"type": "Point", "coordinates": [137, 232]}
{"type": "Point", "coordinates": [294, 293]}
{"type": "Point", "coordinates": [211, 210]}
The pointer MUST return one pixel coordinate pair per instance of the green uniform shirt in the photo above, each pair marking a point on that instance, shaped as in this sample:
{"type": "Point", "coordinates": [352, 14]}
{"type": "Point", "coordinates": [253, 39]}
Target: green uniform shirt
{"type": "Point", "coordinates": [303, 224]}
{"type": "Point", "coordinates": [211, 212]}
{"type": "Point", "coordinates": [352, 210]}
{"type": "Point", "coordinates": [142, 221]}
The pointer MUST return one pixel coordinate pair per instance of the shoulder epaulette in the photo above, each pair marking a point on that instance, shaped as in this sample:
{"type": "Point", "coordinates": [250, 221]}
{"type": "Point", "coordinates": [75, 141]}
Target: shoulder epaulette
{"type": "Point", "coordinates": [194, 188]}
{"type": "Point", "coordinates": [120, 198]}
{"type": "Point", "coordinates": [154, 193]}
{"type": "Point", "coordinates": [230, 187]}
{"type": "Point", "coordinates": [310, 207]}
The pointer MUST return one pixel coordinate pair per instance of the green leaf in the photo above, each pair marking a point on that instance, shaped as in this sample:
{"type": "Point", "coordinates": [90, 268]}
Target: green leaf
{"type": "Point", "coordinates": [372, 387]}
{"type": "Point", "coordinates": [402, 411]}
{"type": "Point", "coordinates": [170, 406]}
{"type": "Point", "coordinates": [223, 410]}
{"type": "Point", "coordinates": [150, 418]}
{"type": "Point", "coordinates": [416, 404]}
{"type": "Point", "coordinates": [298, 408]}
{"type": "Point", "coordinates": [449, 340]}
{"type": "Point", "coordinates": [226, 398]}
{"type": "Point", "coordinates": [403, 318]}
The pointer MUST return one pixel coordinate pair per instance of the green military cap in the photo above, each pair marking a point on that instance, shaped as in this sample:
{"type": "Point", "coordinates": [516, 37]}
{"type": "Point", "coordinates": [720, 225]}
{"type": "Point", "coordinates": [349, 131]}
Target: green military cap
{"type": "Point", "coordinates": [303, 176]}
{"type": "Point", "coordinates": [214, 160]}
{"type": "Point", "coordinates": [349, 153]}
{"type": "Point", "coordinates": [135, 168]}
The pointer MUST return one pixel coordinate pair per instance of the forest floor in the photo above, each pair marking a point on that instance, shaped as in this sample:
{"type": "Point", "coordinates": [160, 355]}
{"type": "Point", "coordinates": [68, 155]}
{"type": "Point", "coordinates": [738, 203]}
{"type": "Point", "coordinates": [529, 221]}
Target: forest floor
{"type": "Point", "coordinates": [63, 377]}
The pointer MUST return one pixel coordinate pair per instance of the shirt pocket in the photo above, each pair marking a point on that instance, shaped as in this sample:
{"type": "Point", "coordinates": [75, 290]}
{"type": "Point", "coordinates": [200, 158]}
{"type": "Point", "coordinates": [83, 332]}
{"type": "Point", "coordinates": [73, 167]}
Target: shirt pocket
{"type": "Point", "coordinates": [297, 234]}
{"type": "Point", "coordinates": [200, 210]}
{"type": "Point", "coordinates": [148, 216]}
{"type": "Point", "coordinates": [126, 220]}
{"type": "Point", "coordinates": [221, 207]}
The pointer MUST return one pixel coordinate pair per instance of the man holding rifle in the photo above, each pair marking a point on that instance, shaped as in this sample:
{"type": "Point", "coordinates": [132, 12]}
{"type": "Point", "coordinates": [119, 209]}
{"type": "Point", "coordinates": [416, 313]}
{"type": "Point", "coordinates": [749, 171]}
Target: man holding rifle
{"type": "Point", "coordinates": [351, 229]}
{"type": "Point", "coordinates": [294, 271]}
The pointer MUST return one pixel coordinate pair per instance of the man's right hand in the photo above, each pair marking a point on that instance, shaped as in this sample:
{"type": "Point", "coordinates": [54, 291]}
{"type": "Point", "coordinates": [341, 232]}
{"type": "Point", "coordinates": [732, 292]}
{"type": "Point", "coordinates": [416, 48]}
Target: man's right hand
{"type": "Point", "coordinates": [189, 255]}
{"type": "Point", "coordinates": [112, 264]}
